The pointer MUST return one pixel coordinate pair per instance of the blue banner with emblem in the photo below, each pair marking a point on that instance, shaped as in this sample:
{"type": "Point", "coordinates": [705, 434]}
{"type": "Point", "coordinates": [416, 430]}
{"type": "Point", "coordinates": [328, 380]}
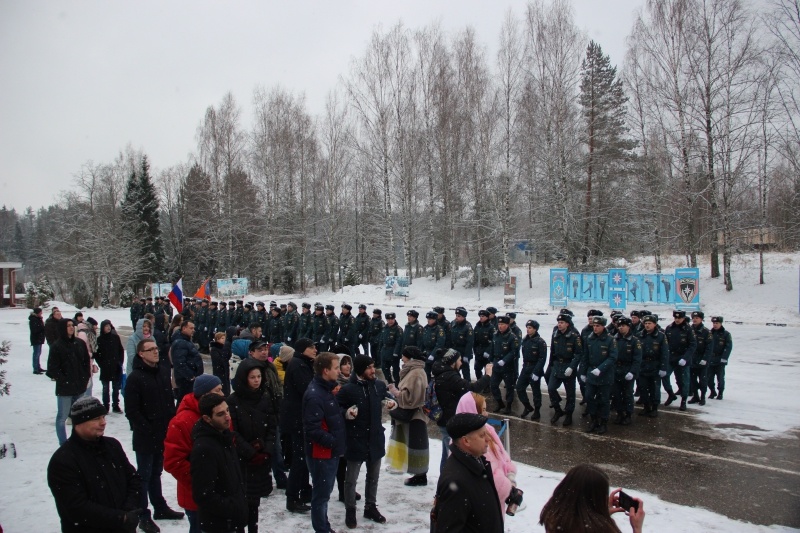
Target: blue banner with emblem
{"type": "Point", "coordinates": [617, 288]}
{"type": "Point", "coordinates": [687, 288]}
{"type": "Point", "coordinates": [558, 287]}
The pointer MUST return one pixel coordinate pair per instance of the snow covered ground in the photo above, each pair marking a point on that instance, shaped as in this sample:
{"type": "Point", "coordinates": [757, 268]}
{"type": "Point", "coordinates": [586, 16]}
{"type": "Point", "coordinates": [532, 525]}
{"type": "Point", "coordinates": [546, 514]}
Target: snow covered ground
{"type": "Point", "coordinates": [765, 367]}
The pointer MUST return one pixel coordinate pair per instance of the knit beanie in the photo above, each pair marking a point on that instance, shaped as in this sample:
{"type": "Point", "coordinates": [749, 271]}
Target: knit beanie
{"type": "Point", "coordinates": [85, 409]}
{"type": "Point", "coordinates": [361, 363]}
{"type": "Point", "coordinates": [205, 383]}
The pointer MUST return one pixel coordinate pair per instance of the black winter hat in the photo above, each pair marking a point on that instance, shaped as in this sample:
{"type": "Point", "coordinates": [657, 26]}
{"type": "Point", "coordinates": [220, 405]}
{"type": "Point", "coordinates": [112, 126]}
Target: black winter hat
{"type": "Point", "coordinates": [412, 352]}
{"type": "Point", "coordinates": [377, 311]}
{"type": "Point", "coordinates": [650, 318]}
{"type": "Point", "coordinates": [292, 305]}
{"type": "Point", "coordinates": [491, 310]}
{"type": "Point", "coordinates": [362, 306]}
{"type": "Point", "coordinates": [636, 313]}
{"type": "Point", "coordinates": [533, 324]}
{"type": "Point", "coordinates": [504, 319]}
{"type": "Point", "coordinates": [91, 321]}
{"type": "Point", "coordinates": [598, 321]}
{"type": "Point", "coordinates": [483, 312]}
{"type": "Point", "coordinates": [390, 316]}
{"type": "Point", "coordinates": [439, 309]}
{"type": "Point", "coordinates": [624, 321]}
{"type": "Point", "coordinates": [431, 315]}
{"type": "Point", "coordinates": [594, 312]}
{"type": "Point", "coordinates": [566, 311]}
{"type": "Point", "coordinates": [565, 318]}
{"type": "Point", "coordinates": [460, 311]}
{"type": "Point", "coordinates": [512, 315]}
{"type": "Point", "coordinates": [678, 314]}
{"type": "Point", "coordinates": [301, 345]}
{"type": "Point", "coordinates": [361, 363]}
{"type": "Point", "coordinates": [85, 409]}
{"type": "Point", "coordinates": [450, 357]}
{"type": "Point", "coordinates": [698, 314]}
{"type": "Point", "coordinates": [717, 319]}
{"type": "Point", "coordinates": [465, 423]}
{"type": "Point", "coordinates": [330, 307]}
{"type": "Point", "coordinates": [347, 306]}
{"type": "Point", "coordinates": [306, 305]}
{"type": "Point", "coordinates": [412, 312]}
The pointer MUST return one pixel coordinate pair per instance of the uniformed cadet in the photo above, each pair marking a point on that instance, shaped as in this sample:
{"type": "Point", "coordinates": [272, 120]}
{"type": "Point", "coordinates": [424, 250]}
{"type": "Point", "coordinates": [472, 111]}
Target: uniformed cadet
{"type": "Point", "coordinates": [585, 332]}
{"type": "Point", "coordinates": [655, 361]}
{"type": "Point", "coordinates": [319, 325]}
{"type": "Point", "coordinates": [346, 329]}
{"type": "Point", "coordinates": [512, 325]}
{"type": "Point", "coordinates": [698, 375]}
{"type": "Point", "coordinates": [723, 345]}
{"type": "Point", "coordinates": [534, 356]}
{"type": "Point", "coordinates": [432, 341]}
{"type": "Point", "coordinates": [626, 370]}
{"type": "Point", "coordinates": [462, 340]}
{"type": "Point", "coordinates": [304, 329]}
{"type": "Point", "coordinates": [376, 325]}
{"type": "Point", "coordinates": [211, 320]}
{"type": "Point", "coordinates": [201, 325]}
{"type": "Point", "coordinates": [222, 316]}
{"type": "Point", "coordinates": [412, 333]}
{"type": "Point", "coordinates": [238, 314]}
{"type": "Point", "coordinates": [148, 308]}
{"type": "Point", "coordinates": [482, 333]}
{"type": "Point", "coordinates": [492, 316]}
{"type": "Point", "coordinates": [291, 324]}
{"type": "Point", "coordinates": [159, 315]}
{"type": "Point", "coordinates": [361, 331]}
{"type": "Point", "coordinates": [137, 312]}
{"type": "Point", "coordinates": [188, 312]}
{"type": "Point", "coordinates": [391, 345]}
{"type": "Point", "coordinates": [505, 358]}
{"type": "Point", "coordinates": [274, 333]}
{"type": "Point", "coordinates": [597, 367]}
{"type": "Point", "coordinates": [566, 349]}
{"type": "Point", "coordinates": [232, 314]}
{"type": "Point", "coordinates": [332, 333]}
{"type": "Point", "coordinates": [682, 345]}
{"type": "Point", "coordinates": [249, 314]}
{"type": "Point", "coordinates": [637, 328]}
{"type": "Point", "coordinates": [445, 325]}
{"type": "Point", "coordinates": [261, 316]}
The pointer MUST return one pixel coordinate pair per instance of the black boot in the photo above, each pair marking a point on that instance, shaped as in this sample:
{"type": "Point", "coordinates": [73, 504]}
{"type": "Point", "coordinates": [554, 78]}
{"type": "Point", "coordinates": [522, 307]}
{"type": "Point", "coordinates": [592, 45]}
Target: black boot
{"type": "Point", "coordinates": [147, 525]}
{"type": "Point", "coordinates": [556, 415]}
{"type": "Point", "coordinates": [640, 401]}
{"type": "Point", "coordinates": [702, 399]}
{"type": "Point", "coordinates": [653, 411]}
{"type": "Point", "coordinates": [719, 396]}
{"type": "Point", "coordinates": [626, 420]}
{"type": "Point", "coordinates": [592, 426]}
{"type": "Point", "coordinates": [499, 407]}
{"type": "Point", "coordinates": [371, 512]}
{"type": "Point", "coordinates": [107, 407]}
{"type": "Point", "coordinates": [602, 427]}
{"type": "Point", "coordinates": [525, 412]}
{"type": "Point", "coordinates": [507, 410]}
{"type": "Point", "coordinates": [694, 399]}
{"type": "Point", "coordinates": [620, 416]}
{"type": "Point", "coordinates": [683, 405]}
{"type": "Point", "coordinates": [418, 480]}
{"type": "Point", "coordinates": [713, 394]}
{"type": "Point", "coordinates": [567, 420]}
{"type": "Point", "coordinates": [296, 506]}
{"type": "Point", "coordinates": [167, 514]}
{"type": "Point", "coordinates": [116, 408]}
{"type": "Point", "coordinates": [536, 415]}
{"type": "Point", "coordinates": [645, 411]}
{"type": "Point", "coordinates": [350, 517]}
{"type": "Point", "coordinates": [671, 398]}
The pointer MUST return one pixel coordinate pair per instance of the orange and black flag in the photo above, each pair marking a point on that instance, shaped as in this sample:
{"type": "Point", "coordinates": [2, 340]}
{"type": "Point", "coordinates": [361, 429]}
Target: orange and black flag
{"type": "Point", "coordinates": [205, 290]}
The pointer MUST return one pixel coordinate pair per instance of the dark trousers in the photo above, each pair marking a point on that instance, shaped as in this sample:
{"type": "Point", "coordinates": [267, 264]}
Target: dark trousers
{"type": "Point", "coordinates": [252, 517]}
{"type": "Point", "coordinates": [277, 463]}
{"type": "Point", "coordinates": [569, 387]}
{"type": "Point", "coordinates": [114, 385]}
{"type": "Point", "coordinates": [391, 369]}
{"type": "Point", "coordinates": [360, 345]}
{"type": "Point", "coordinates": [622, 395]}
{"type": "Point", "coordinates": [716, 372]}
{"type": "Point", "coordinates": [597, 397]}
{"type": "Point", "coordinates": [650, 389]}
{"type": "Point", "coordinates": [374, 353]}
{"type": "Point", "coordinates": [508, 376]}
{"type": "Point", "coordinates": [698, 380]}
{"type": "Point", "coordinates": [298, 469]}
{"type": "Point", "coordinates": [480, 361]}
{"type": "Point", "coordinates": [681, 379]}
{"type": "Point", "coordinates": [465, 372]}
{"type": "Point", "coordinates": [373, 473]}
{"type": "Point", "coordinates": [525, 380]}
{"type": "Point", "coordinates": [149, 467]}
{"type": "Point", "coordinates": [223, 372]}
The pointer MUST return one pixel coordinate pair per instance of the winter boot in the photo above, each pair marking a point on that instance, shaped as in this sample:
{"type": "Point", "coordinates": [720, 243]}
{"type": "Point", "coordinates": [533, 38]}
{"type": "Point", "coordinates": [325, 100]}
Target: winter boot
{"type": "Point", "coordinates": [694, 399]}
{"type": "Point", "coordinates": [556, 415]}
{"type": "Point", "coordinates": [418, 480]}
{"type": "Point", "coordinates": [536, 415]}
{"type": "Point", "coordinates": [147, 525]}
{"type": "Point", "coordinates": [371, 512]}
{"type": "Point", "coordinates": [719, 396]}
{"type": "Point", "coordinates": [602, 427]}
{"type": "Point", "coordinates": [350, 517]}
{"type": "Point", "coordinates": [567, 420]}
{"type": "Point", "coordinates": [593, 426]}
{"type": "Point", "coordinates": [107, 407]}
{"type": "Point", "coordinates": [500, 406]}
{"type": "Point", "coordinates": [507, 410]}
{"type": "Point", "coordinates": [672, 397]}
{"type": "Point", "coordinates": [712, 394]}
{"type": "Point", "coordinates": [528, 410]}
{"type": "Point", "coordinates": [653, 411]}
{"type": "Point", "coordinates": [116, 408]}
{"type": "Point", "coordinates": [585, 412]}
{"type": "Point", "coordinates": [683, 405]}
{"type": "Point", "coordinates": [702, 399]}
{"type": "Point", "coordinates": [640, 401]}
{"type": "Point", "coordinates": [626, 420]}
{"type": "Point", "coordinates": [167, 514]}
{"type": "Point", "coordinates": [620, 416]}
{"type": "Point", "coordinates": [645, 411]}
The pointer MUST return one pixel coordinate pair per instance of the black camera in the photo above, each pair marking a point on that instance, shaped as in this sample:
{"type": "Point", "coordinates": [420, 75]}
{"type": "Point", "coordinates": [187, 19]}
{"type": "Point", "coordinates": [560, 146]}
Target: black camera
{"type": "Point", "coordinates": [514, 500]}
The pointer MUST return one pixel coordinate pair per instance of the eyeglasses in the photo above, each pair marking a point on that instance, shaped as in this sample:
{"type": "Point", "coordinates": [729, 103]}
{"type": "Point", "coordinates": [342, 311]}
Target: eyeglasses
{"type": "Point", "coordinates": [153, 349]}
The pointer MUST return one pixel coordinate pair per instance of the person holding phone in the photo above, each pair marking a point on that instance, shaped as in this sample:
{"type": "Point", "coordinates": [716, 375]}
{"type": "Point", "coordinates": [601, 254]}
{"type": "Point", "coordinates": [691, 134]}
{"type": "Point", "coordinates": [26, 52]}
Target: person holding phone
{"type": "Point", "coordinates": [580, 503]}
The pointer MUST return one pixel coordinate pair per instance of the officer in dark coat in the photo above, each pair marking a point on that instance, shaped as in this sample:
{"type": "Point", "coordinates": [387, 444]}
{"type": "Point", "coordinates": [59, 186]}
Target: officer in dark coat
{"type": "Point", "coordinates": [238, 314]}
{"type": "Point", "coordinates": [148, 307]}
{"type": "Point", "coordinates": [445, 325]}
{"type": "Point", "coordinates": [723, 345]}
{"type": "Point", "coordinates": [698, 376]}
{"type": "Point", "coordinates": [626, 370]}
{"type": "Point", "coordinates": [222, 317]}
{"type": "Point", "coordinates": [304, 322]}
{"type": "Point", "coordinates": [655, 360]}
{"type": "Point", "coordinates": [462, 340]}
{"type": "Point", "coordinates": [361, 331]}
{"type": "Point", "coordinates": [566, 349]}
{"type": "Point", "coordinates": [391, 345]}
{"type": "Point", "coordinates": [186, 360]}
{"type": "Point", "coordinates": [212, 319]}
{"type": "Point", "coordinates": [366, 441]}
{"type": "Point", "coordinates": [332, 330]}
{"type": "Point", "coordinates": [376, 325]}
{"type": "Point", "coordinates": [432, 342]}
{"type": "Point", "coordinates": [534, 356]}
{"type": "Point", "coordinates": [482, 333]}
{"type": "Point", "coordinates": [412, 332]}
{"type": "Point", "coordinates": [682, 345]}
{"type": "Point", "coordinates": [291, 324]}
{"type": "Point", "coordinates": [274, 333]}
{"type": "Point", "coordinates": [597, 365]}
{"type": "Point", "coordinates": [137, 311]}
{"type": "Point", "coordinates": [346, 329]}
{"type": "Point", "coordinates": [585, 332]}
{"type": "Point", "coordinates": [466, 498]}
{"type": "Point", "coordinates": [95, 487]}
{"type": "Point", "coordinates": [505, 357]}
{"type": "Point", "coordinates": [319, 326]}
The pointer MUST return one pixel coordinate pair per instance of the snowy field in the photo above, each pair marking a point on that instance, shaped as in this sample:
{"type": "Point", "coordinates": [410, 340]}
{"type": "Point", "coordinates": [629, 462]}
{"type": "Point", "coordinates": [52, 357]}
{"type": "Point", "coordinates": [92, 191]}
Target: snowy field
{"type": "Point", "coordinates": [765, 367]}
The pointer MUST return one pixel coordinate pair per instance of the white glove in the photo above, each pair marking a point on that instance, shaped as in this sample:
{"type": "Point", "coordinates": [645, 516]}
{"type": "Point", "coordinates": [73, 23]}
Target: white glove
{"type": "Point", "coordinates": [596, 372]}
{"type": "Point", "coordinates": [501, 363]}
{"type": "Point", "coordinates": [723, 360]}
{"type": "Point", "coordinates": [703, 362]}
{"type": "Point", "coordinates": [486, 355]}
{"type": "Point", "coordinates": [568, 372]}
{"type": "Point", "coordinates": [465, 359]}
{"type": "Point", "coordinates": [360, 336]}
{"type": "Point", "coordinates": [583, 378]}
{"type": "Point", "coordinates": [662, 373]}
{"type": "Point", "coordinates": [288, 339]}
{"type": "Point", "coordinates": [682, 362]}
{"type": "Point", "coordinates": [391, 404]}
{"type": "Point", "coordinates": [535, 377]}
{"type": "Point", "coordinates": [351, 413]}
{"type": "Point", "coordinates": [628, 376]}
{"type": "Point", "coordinates": [430, 357]}
{"type": "Point", "coordinates": [322, 339]}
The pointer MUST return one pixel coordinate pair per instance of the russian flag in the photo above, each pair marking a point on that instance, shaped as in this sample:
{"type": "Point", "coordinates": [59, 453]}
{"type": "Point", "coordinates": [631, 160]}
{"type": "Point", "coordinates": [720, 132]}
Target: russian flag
{"type": "Point", "coordinates": [176, 296]}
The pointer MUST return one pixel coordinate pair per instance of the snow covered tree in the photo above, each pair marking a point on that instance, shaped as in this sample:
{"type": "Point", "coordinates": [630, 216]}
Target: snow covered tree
{"type": "Point", "coordinates": [351, 275]}
{"type": "Point", "coordinates": [5, 386]}
{"type": "Point", "coordinates": [44, 291]}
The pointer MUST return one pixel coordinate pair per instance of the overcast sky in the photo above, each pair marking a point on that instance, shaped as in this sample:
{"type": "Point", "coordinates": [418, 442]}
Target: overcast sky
{"type": "Point", "coordinates": [82, 79]}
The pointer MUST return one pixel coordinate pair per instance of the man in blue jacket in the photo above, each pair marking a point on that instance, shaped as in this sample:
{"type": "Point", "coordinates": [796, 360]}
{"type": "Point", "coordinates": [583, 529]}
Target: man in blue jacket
{"type": "Point", "coordinates": [323, 425]}
{"type": "Point", "coordinates": [186, 360]}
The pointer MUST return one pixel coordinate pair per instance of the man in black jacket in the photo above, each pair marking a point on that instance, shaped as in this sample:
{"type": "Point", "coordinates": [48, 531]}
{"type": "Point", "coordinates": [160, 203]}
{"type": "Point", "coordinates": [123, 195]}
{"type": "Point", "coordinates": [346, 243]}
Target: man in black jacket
{"type": "Point", "coordinates": [68, 365]}
{"type": "Point", "coordinates": [466, 498]}
{"type": "Point", "coordinates": [450, 387]}
{"type": "Point", "coordinates": [36, 325]}
{"type": "Point", "coordinates": [186, 359]}
{"type": "Point", "coordinates": [362, 399]}
{"type": "Point", "coordinates": [51, 326]}
{"type": "Point", "coordinates": [149, 406]}
{"type": "Point", "coordinates": [218, 485]}
{"type": "Point", "coordinates": [95, 487]}
{"type": "Point", "coordinates": [299, 374]}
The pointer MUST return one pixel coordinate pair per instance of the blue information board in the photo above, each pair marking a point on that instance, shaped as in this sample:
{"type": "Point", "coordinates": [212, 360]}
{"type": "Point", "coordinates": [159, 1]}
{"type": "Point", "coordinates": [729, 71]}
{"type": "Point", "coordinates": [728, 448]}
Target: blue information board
{"type": "Point", "coordinates": [558, 287]}
{"type": "Point", "coordinates": [617, 288]}
{"type": "Point", "coordinates": [687, 288]}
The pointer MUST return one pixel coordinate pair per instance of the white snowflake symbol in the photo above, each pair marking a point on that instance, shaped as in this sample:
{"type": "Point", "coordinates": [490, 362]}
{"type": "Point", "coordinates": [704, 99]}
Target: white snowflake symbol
{"type": "Point", "coordinates": [617, 278]}
{"type": "Point", "coordinates": [617, 299]}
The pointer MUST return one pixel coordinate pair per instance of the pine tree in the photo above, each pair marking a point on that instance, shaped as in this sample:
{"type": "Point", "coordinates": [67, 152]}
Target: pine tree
{"type": "Point", "coordinates": [19, 243]}
{"type": "Point", "coordinates": [609, 148]}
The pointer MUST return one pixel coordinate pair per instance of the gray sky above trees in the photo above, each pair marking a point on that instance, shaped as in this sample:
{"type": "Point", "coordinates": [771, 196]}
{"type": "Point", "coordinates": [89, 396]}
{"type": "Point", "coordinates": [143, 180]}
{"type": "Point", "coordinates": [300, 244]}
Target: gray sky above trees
{"type": "Point", "coordinates": [81, 80]}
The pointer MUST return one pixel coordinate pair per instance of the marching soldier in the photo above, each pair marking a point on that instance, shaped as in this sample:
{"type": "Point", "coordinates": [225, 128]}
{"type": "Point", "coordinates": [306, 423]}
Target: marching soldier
{"type": "Point", "coordinates": [391, 344]}
{"type": "Point", "coordinates": [361, 331]}
{"type": "Point", "coordinates": [698, 375]}
{"type": "Point", "coordinates": [432, 341]}
{"type": "Point", "coordinates": [238, 314]}
{"type": "Point", "coordinates": [626, 370]}
{"type": "Point", "coordinates": [211, 320]}
{"type": "Point", "coordinates": [505, 357]}
{"type": "Point", "coordinates": [332, 333]}
{"type": "Point", "coordinates": [346, 328]}
{"type": "Point", "coordinates": [274, 333]}
{"type": "Point", "coordinates": [412, 333]}
{"type": "Point", "coordinates": [482, 333]}
{"type": "Point", "coordinates": [137, 312]}
{"type": "Point", "coordinates": [319, 326]}
{"type": "Point", "coordinates": [462, 339]}
{"type": "Point", "coordinates": [304, 329]}
{"type": "Point", "coordinates": [723, 345]}
{"type": "Point", "coordinates": [534, 356]}
{"type": "Point", "coordinates": [291, 324]}
{"type": "Point", "coordinates": [566, 349]}
{"type": "Point", "coordinates": [376, 325]}
{"type": "Point", "coordinates": [655, 360]}
{"type": "Point", "coordinates": [445, 325]}
{"type": "Point", "coordinates": [597, 367]}
{"type": "Point", "coordinates": [682, 345]}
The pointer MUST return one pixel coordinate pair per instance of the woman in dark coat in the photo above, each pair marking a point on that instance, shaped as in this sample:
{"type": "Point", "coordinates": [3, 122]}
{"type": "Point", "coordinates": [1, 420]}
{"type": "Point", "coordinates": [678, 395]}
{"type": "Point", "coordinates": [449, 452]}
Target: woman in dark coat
{"type": "Point", "coordinates": [254, 417]}
{"type": "Point", "coordinates": [110, 356]}
{"type": "Point", "coordinates": [220, 361]}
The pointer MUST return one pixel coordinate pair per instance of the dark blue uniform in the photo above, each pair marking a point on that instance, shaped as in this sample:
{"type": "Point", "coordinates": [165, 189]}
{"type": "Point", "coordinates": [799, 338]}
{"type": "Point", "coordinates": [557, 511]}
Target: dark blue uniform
{"type": "Point", "coordinates": [682, 344]}
{"type": "Point", "coordinates": [655, 361]}
{"type": "Point", "coordinates": [505, 357]}
{"type": "Point", "coordinates": [482, 334]}
{"type": "Point", "coordinates": [391, 345]}
{"type": "Point", "coordinates": [534, 356]}
{"type": "Point", "coordinates": [376, 325]}
{"type": "Point", "coordinates": [432, 344]}
{"type": "Point", "coordinates": [723, 344]}
{"type": "Point", "coordinates": [626, 371]}
{"type": "Point", "coordinates": [462, 340]}
{"type": "Point", "coordinates": [597, 367]}
{"type": "Point", "coordinates": [361, 333]}
{"type": "Point", "coordinates": [566, 350]}
{"type": "Point", "coordinates": [698, 376]}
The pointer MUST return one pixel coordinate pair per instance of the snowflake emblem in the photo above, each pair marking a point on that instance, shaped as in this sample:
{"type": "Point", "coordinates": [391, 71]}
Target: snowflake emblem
{"type": "Point", "coordinates": [617, 279]}
{"type": "Point", "coordinates": [617, 299]}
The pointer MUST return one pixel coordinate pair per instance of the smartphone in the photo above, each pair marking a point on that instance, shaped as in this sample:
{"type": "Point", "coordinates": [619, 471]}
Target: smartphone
{"type": "Point", "coordinates": [626, 502]}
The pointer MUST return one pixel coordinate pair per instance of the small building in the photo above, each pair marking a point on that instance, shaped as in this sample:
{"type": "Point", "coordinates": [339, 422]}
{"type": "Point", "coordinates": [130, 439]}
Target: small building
{"type": "Point", "coordinates": [8, 281]}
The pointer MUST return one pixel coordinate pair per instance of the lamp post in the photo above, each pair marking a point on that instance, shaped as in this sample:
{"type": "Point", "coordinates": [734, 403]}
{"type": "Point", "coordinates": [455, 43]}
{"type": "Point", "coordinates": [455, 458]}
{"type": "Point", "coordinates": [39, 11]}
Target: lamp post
{"type": "Point", "coordinates": [479, 282]}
